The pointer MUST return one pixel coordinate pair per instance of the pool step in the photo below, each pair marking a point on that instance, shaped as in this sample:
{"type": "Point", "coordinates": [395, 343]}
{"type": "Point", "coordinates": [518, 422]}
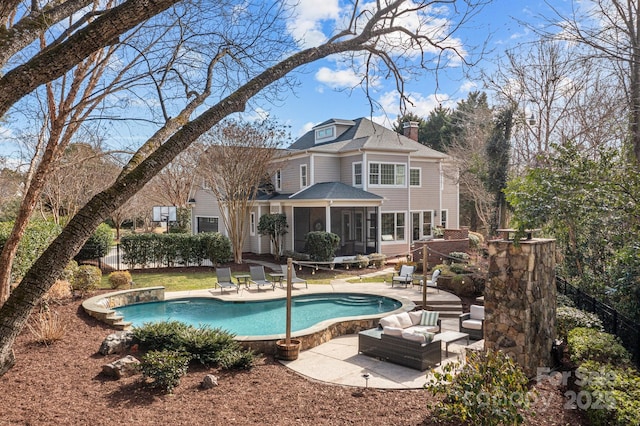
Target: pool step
{"type": "Point", "coordinates": [117, 321]}
{"type": "Point", "coordinates": [447, 308]}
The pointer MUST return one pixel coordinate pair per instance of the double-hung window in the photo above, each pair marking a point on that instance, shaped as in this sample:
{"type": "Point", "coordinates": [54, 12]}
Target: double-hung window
{"type": "Point", "coordinates": [304, 177]}
{"type": "Point", "coordinates": [388, 174]}
{"type": "Point", "coordinates": [357, 174]}
{"type": "Point", "coordinates": [414, 177]}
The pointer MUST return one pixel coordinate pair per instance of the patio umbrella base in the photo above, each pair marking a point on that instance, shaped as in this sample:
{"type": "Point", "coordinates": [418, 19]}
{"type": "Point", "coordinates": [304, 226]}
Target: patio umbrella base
{"type": "Point", "coordinates": [288, 352]}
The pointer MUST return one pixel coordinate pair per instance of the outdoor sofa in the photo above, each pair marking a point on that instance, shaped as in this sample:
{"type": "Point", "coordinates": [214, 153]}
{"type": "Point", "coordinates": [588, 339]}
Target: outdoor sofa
{"type": "Point", "coordinates": [405, 339]}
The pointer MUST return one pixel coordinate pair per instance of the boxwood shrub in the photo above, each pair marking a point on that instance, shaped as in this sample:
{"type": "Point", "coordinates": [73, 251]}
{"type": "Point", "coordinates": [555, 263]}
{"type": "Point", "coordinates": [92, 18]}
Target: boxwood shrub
{"type": "Point", "coordinates": [588, 344]}
{"type": "Point", "coordinates": [321, 245]}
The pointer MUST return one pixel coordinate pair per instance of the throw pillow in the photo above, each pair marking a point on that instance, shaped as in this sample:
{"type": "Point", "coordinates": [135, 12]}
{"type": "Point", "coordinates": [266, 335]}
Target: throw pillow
{"type": "Point", "coordinates": [429, 318]}
{"type": "Point", "coordinates": [404, 319]}
{"type": "Point", "coordinates": [390, 321]}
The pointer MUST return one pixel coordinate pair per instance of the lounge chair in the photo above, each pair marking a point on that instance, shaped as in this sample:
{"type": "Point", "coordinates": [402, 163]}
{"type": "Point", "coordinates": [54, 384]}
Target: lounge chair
{"type": "Point", "coordinates": [225, 281]}
{"type": "Point", "coordinates": [404, 276]}
{"type": "Point", "coordinates": [294, 278]}
{"type": "Point", "coordinates": [472, 322]}
{"type": "Point", "coordinates": [433, 282]}
{"type": "Point", "coordinates": [259, 278]}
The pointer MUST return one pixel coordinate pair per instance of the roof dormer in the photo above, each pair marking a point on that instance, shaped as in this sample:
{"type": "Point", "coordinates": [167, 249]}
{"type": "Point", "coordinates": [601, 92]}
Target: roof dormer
{"type": "Point", "coordinates": [330, 130]}
{"type": "Point", "coordinates": [325, 133]}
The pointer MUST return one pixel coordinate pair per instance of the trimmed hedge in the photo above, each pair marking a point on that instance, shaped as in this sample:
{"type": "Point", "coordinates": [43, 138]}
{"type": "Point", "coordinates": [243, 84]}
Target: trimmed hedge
{"type": "Point", "coordinates": [321, 245]}
{"type": "Point", "coordinates": [97, 245]}
{"type": "Point", "coordinates": [144, 250]}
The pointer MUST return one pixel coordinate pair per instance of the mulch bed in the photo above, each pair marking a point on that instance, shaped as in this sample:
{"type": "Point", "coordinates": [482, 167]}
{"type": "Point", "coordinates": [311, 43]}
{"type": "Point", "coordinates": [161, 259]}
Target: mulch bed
{"type": "Point", "coordinates": [63, 384]}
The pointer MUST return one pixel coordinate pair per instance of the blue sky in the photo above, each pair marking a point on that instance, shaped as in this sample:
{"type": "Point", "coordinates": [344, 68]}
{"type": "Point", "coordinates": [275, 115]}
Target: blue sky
{"type": "Point", "coordinates": [325, 92]}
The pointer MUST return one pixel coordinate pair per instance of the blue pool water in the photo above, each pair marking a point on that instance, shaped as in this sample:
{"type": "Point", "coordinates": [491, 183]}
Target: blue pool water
{"type": "Point", "coordinates": [259, 318]}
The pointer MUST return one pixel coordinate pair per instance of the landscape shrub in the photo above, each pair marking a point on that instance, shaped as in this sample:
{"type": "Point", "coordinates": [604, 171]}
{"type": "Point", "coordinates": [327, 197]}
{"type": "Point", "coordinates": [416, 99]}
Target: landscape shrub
{"type": "Point", "coordinates": [464, 285]}
{"type": "Point", "coordinates": [86, 279]}
{"type": "Point", "coordinates": [377, 260]}
{"type": "Point", "coordinates": [47, 327]}
{"type": "Point", "coordinates": [120, 280]}
{"type": "Point", "coordinates": [564, 300]}
{"type": "Point", "coordinates": [218, 247]}
{"type": "Point", "coordinates": [209, 346]}
{"type": "Point", "coordinates": [295, 255]}
{"type": "Point", "coordinates": [568, 318]}
{"type": "Point", "coordinates": [37, 237]}
{"type": "Point", "coordinates": [489, 389]}
{"type": "Point", "coordinates": [475, 239]}
{"type": "Point", "coordinates": [321, 245]}
{"type": "Point", "coordinates": [59, 291]}
{"type": "Point", "coordinates": [165, 367]}
{"type": "Point", "coordinates": [161, 335]}
{"type": "Point", "coordinates": [459, 256]}
{"type": "Point", "coordinates": [363, 261]}
{"type": "Point", "coordinates": [98, 244]}
{"type": "Point", "coordinates": [69, 271]}
{"type": "Point", "coordinates": [609, 394]}
{"type": "Point", "coordinates": [588, 344]}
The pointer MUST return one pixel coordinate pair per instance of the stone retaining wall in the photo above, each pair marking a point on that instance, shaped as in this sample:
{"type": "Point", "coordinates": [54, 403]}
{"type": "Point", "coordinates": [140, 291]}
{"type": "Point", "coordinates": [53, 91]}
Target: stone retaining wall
{"type": "Point", "coordinates": [101, 306]}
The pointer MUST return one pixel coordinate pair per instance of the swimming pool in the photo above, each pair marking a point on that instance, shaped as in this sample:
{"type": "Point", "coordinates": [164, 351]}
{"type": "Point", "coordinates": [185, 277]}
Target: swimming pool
{"type": "Point", "coordinates": [259, 318]}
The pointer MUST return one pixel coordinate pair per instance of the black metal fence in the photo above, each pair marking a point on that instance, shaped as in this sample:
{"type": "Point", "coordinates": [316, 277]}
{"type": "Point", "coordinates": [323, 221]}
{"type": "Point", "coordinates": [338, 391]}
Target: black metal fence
{"type": "Point", "coordinates": [613, 321]}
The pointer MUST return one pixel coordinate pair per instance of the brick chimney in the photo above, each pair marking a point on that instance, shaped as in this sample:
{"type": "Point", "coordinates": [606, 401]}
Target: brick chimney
{"type": "Point", "coordinates": [410, 130]}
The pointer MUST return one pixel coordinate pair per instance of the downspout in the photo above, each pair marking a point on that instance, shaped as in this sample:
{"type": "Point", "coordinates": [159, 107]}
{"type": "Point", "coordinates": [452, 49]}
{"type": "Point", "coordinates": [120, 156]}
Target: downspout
{"type": "Point", "coordinates": [440, 191]}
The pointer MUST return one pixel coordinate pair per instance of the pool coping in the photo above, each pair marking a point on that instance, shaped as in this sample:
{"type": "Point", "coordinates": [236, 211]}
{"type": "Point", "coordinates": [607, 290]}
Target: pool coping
{"type": "Point", "coordinates": [102, 307]}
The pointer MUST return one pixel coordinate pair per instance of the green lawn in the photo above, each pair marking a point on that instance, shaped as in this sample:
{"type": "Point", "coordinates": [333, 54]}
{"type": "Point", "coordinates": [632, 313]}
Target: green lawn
{"type": "Point", "coordinates": [179, 281]}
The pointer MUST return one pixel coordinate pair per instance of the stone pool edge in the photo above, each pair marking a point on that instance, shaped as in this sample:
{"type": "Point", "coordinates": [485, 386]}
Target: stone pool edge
{"type": "Point", "coordinates": [102, 307]}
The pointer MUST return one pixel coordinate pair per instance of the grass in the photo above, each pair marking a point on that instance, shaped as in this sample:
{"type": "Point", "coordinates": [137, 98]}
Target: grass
{"type": "Point", "coordinates": [181, 281]}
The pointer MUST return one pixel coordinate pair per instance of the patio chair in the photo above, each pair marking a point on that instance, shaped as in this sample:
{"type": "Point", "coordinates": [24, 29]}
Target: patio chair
{"type": "Point", "coordinates": [225, 280]}
{"type": "Point", "coordinates": [404, 276]}
{"type": "Point", "coordinates": [259, 278]}
{"type": "Point", "coordinates": [294, 278]}
{"type": "Point", "coordinates": [433, 282]}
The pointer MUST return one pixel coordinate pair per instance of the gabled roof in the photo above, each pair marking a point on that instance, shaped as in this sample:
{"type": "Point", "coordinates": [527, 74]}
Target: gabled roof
{"type": "Point", "coordinates": [364, 134]}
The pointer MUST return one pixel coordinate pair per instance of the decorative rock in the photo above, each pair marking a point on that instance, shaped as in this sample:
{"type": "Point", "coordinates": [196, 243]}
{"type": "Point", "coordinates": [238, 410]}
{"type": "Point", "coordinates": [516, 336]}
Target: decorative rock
{"type": "Point", "coordinates": [116, 343]}
{"type": "Point", "coordinates": [124, 367]}
{"type": "Point", "coordinates": [209, 381]}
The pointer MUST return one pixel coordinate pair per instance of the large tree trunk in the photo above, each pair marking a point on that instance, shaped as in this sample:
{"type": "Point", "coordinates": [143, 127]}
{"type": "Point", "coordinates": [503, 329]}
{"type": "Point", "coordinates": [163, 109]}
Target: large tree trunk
{"type": "Point", "coordinates": [15, 312]}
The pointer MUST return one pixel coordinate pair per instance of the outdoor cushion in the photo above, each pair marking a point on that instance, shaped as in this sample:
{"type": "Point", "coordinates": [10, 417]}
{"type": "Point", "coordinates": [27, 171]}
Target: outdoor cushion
{"type": "Point", "coordinates": [393, 331]}
{"type": "Point", "coordinates": [473, 324]}
{"type": "Point", "coordinates": [413, 337]}
{"type": "Point", "coordinates": [390, 321]}
{"type": "Point", "coordinates": [428, 337]}
{"type": "Point", "coordinates": [429, 318]}
{"type": "Point", "coordinates": [425, 328]}
{"type": "Point", "coordinates": [416, 317]}
{"type": "Point", "coordinates": [476, 312]}
{"type": "Point", "coordinates": [404, 320]}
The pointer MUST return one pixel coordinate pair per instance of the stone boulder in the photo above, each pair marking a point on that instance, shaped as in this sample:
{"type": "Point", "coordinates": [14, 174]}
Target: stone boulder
{"type": "Point", "coordinates": [124, 367]}
{"type": "Point", "coordinates": [209, 381]}
{"type": "Point", "coordinates": [116, 343]}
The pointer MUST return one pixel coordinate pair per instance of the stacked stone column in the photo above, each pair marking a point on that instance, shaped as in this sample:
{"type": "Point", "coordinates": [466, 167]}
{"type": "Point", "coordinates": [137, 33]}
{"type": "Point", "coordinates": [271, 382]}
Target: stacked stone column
{"type": "Point", "coordinates": [520, 301]}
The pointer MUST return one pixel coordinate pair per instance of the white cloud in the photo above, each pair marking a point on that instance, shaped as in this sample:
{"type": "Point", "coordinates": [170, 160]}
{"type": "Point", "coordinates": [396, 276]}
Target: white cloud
{"type": "Point", "coordinates": [305, 25]}
{"type": "Point", "coordinates": [468, 86]}
{"type": "Point", "coordinates": [420, 105]}
{"type": "Point", "coordinates": [338, 79]}
{"type": "Point", "coordinates": [306, 127]}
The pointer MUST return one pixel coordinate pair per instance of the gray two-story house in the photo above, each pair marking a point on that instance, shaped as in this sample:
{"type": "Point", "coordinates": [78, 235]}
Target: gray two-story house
{"type": "Point", "coordinates": [376, 189]}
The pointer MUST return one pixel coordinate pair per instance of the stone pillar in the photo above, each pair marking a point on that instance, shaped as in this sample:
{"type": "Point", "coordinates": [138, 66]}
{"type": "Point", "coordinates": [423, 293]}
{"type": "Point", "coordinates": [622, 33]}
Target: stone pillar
{"type": "Point", "coordinates": [520, 301]}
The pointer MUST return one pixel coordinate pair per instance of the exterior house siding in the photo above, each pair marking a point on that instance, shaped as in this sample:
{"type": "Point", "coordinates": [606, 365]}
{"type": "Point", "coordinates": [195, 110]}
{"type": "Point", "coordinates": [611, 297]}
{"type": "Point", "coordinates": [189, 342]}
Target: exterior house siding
{"type": "Point", "coordinates": [331, 201]}
{"type": "Point", "coordinates": [325, 168]}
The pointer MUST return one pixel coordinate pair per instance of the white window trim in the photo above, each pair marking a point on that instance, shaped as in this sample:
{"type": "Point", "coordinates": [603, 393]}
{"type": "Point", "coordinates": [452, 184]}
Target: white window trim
{"type": "Point", "coordinates": [305, 175]}
{"type": "Point", "coordinates": [330, 137]}
{"type": "Point", "coordinates": [382, 185]}
{"type": "Point", "coordinates": [278, 179]}
{"type": "Point", "coordinates": [252, 224]}
{"type": "Point", "coordinates": [395, 228]}
{"type": "Point", "coordinates": [419, 169]}
{"type": "Point", "coordinates": [444, 225]}
{"type": "Point", "coordinates": [353, 174]}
